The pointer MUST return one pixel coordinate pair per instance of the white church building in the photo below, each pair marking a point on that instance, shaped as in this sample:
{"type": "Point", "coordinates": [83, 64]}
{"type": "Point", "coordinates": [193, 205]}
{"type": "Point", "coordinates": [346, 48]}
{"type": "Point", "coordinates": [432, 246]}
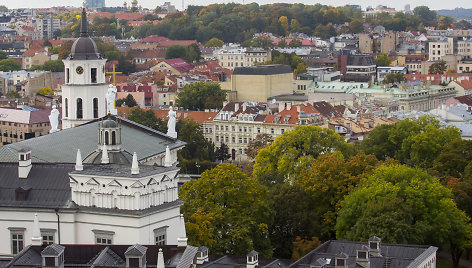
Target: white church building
{"type": "Point", "coordinates": [102, 179]}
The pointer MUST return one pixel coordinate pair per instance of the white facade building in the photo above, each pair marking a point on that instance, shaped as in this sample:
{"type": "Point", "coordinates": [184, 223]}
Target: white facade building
{"type": "Point", "coordinates": [84, 91]}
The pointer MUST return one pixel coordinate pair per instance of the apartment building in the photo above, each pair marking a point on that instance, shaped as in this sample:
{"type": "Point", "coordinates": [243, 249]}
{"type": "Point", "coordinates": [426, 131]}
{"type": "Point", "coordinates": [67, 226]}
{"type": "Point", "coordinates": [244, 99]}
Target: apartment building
{"type": "Point", "coordinates": [47, 26]}
{"type": "Point", "coordinates": [242, 57]}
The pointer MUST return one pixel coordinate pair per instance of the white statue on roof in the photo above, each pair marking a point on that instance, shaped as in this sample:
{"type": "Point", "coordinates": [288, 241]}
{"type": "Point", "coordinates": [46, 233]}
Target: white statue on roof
{"type": "Point", "coordinates": [54, 119]}
{"type": "Point", "coordinates": [111, 95]}
{"type": "Point", "coordinates": [171, 123]}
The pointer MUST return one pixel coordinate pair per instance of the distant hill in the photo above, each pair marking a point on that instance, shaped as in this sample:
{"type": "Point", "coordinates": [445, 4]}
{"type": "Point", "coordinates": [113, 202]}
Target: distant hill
{"type": "Point", "coordinates": [456, 13]}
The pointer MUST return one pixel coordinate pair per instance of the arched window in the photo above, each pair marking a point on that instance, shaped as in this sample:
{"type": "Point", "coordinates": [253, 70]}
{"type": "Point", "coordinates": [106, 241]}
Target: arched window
{"type": "Point", "coordinates": [113, 138]}
{"type": "Point", "coordinates": [66, 105]}
{"type": "Point", "coordinates": [95, 108]}
{"type": "Point", "coordinates": [106, 138]}
{"type": "Point", "coordinates": [80, 114]}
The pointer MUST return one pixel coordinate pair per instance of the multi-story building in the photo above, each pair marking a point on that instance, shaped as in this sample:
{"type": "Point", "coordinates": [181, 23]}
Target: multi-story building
{"type": "Point", "coordinates": [261, 82]}
{"type": "Point", "coordinates": [460, 46]}
{"type": "Point", "coordinates": [383, 71]}
{"type": "Point", "coordinates": [19, 124]}
{"type": "Point", "coordinates": [242, 57]}
{"type": "Point", "coordinates": [384, 43]}
{"type": "Point", "coordinates": [360, 68]}
{"type": "Point", "coordinates": [47, 26]}
{"type": "Point", "coordinates": [94, 3]}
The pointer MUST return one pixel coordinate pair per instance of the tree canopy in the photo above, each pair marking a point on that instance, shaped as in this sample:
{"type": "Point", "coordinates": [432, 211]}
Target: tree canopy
{"type": "Point", "coordinates": [294, 151]}
{"type": "Point", "coordinates": [201, 96]}
{"type": "Point", "coordinates": [45, 91]}
{"type": "Point", "coordinates": [403, 205]}
{"type": "Point", "coordinates": [437, 68]}
{"type": "Point", "coordinates": [227, 211]}
{"type": "Point", "coordinates": [129, 101]}
{"type": "Point", "coordinates": [176, 51]}
{"type": "Point", "coordinates": [7, 65]}
{"type": "Point", "coordinates": [382, 60]}
{"type": "Point", "coordinates": [214, 42]}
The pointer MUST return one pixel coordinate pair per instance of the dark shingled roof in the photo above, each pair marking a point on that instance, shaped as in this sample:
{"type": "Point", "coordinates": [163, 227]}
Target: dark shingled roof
{"type": "Point", "coordinates": [187, 257]}
{"type": "Point", "coordinates": [136, 250]}
{"type": "Point", "coordinates": [53, 250]}
{"type": "Point", "coordinates": [48, 186]}
{"type": "Point", "coordinates": [263, 70]}
{"type": "Point", "coordinates": [360, 60]}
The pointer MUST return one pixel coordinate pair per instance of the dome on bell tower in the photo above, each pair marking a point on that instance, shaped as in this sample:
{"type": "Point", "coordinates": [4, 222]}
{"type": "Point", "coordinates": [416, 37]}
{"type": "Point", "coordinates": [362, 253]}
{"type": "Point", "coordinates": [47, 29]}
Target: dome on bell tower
{"type": "Point", "coordinates": [84, 48]}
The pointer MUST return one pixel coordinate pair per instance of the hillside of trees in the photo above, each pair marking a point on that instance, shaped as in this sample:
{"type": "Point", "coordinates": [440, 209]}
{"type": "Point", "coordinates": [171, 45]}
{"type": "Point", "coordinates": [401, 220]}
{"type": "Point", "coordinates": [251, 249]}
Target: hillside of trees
{"type": "Point", "coordinates": [236, 23]}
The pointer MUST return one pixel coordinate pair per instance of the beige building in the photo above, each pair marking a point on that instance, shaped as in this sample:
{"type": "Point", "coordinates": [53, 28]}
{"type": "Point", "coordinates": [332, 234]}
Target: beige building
{"type": "Point", "coordinates": [384, 43]}
{"type": "Point", "coordinates": [17, 125]}
{"type": "Point", "coordinates": [261, 82]}
{"type": "Point", "coordinates": [242, 57]}
{"type": "Point", "coordinates": [464, 66]}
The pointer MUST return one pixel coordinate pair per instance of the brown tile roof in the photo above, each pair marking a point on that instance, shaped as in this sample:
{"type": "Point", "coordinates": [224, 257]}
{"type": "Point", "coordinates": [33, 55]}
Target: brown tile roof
{"type": "Point", "coordinates": [147, 53]}
{"type": "Point", "coordinates": [33, 51]}
{"type": "Point", "coordinates": [197, 116]}
{"type": "Point", "coordinates": [466, 84]}
{"type": "Point", "coordinates": [467, 99]}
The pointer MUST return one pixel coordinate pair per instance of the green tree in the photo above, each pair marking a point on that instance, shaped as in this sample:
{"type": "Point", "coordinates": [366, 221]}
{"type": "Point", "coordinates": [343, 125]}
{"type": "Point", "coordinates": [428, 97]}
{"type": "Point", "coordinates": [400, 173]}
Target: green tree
{"type": "Point", "coordinates": [222, 153]}
{"type": "Point", "coordinates": [53, 66]}
{"type": "Point", "coordinates": [301, 69]}
{"type": "Point", "coordinates": [227, 211]}
{"type": "Point", "coordinates": [394, 78]}
{"type": "Point", "coordinates": [329, 179]}
{"type": "Point", "coordinates": [295, 43]}
{"type": "Point", "coordinates": [382, 60]}
{"type": "Point", "coordinates": [13, 95]}
{"type": "Point", "coordinates": [126, 66]}
{"type": "Point", "coordinates": [214, 42]}
{"type": "Point", "coordinates": [200, 96]}
{"type": "Point", "coordinates": [415, 142]}
{"type": "Point", "coordinates": [407, 206]}
{"type": "Point", "coordinates": [454, 160]}
{"type": "Point", "coordinates": [444, 22]}
{"type": "Point", "coordinates": [356, 26]}
{"type": "Point", "coordinates": [7, 65]}
{"type": "Point", "coordinates": [437, 68]}
{"type": "Point", "coordinates": [129, 101]}
{"type": "Point", "coordinates": [197, 151]}
{"type": "Point", "coordinates": [294, 215]}
{"type": "Point", "coordinates": [192, 53]}
{"type": "Point", "coordinates": [3, 55]}
{"type": "Point", "coordinates": [282, 43]}
{"type": "Point", "coordinates": [463, 24]}
{"type": "Point", "coordinates": [427, 16]}
{"type": "Point", "coordinates": [147, 118]}
{"type": "Point", "coordinates": [45, 91]}
{"type": "Point", "coordinates": [3, 8]}
{"type": "Point", "coordinates": [295, 151]}
{"type": "Point", "coordinates": [176, 51]}
{"type": "Point", "coordinates": [259, 142]}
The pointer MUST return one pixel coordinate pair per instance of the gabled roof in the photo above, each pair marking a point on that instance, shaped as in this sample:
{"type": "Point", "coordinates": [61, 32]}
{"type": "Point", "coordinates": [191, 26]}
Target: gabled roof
{"type": "Point", "coordinates": [53, 250]}
{"type": "Point", "coordinates": [136, 250]}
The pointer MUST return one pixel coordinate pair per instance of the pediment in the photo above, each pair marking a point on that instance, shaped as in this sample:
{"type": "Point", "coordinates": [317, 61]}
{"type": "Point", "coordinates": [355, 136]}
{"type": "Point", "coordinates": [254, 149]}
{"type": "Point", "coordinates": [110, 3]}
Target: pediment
{"type": "Point", "coordinates": [137, 184]}
{"type": "Point", "coordinates": [152, 181]}
{"type": "Point", "coordinates": [72, 180]}
{"type": "Point", "coordinates": [92, 181]}
{"type": "Point", "coordinates": [165, 178]}
{"type": "Point", "coordinates": [114, 183]}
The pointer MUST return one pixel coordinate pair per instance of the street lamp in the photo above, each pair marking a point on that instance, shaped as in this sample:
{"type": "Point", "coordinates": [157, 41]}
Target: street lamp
{"type": "Point", "coordinates": [198, 167]}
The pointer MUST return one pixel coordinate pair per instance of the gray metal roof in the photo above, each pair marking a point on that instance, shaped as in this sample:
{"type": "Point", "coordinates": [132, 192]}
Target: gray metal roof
{"type": "Point", "coordinates": [61, 146]}
{"type": "Point", "coordinates": [136, 250]}
{"type": "Point", "coordinates": [53, 250]}
{"type": "Point", "coordinates": [263, 70]}
{"type": "Point", "coordinates": [113, 170]}
{"type": "Point", "coordinates": [107, 258]}
{"type": "Point", "coordinates": [188, 257]}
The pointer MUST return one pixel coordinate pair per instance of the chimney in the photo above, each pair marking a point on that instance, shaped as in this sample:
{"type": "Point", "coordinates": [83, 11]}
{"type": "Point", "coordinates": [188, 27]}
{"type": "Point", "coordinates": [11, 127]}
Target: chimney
{"type": "Point", "coordinates": [236, 106]}
{"type": "Point", "coordinates": [24, 162]}
{"type": "Point", "coordinates": [160, 259]}
{"type": "Point", "coordinates": [244, 106]}
{"type": "Point", "coordinates": [374, 246]}
{"type": "Point", "coordinates": [37, 239]}
{"type": "Point", "coordinates": [252, 259]}
{"type": "Point", "coordinates": [78, 161]}
{"type": "Point", "coordinates": [289, 106]}
{"type": "Point", "coordinates": [134, 165]}
{"type": "Point", "coordinates": [202, 255]}
{"type": "Point", "coordinates": [362, 257]}
{"type": "Point", "coordinates": [105, 159]}
{"type": "Point", "coordinates": [168, 158]}
{"type": "Point", "coordinates": [182, 239]}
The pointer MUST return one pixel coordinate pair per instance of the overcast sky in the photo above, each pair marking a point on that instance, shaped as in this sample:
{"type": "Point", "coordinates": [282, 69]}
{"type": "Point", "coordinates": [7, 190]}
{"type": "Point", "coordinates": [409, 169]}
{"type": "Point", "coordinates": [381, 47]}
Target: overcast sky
{"type": "Point", "coordinates": [399, 4]}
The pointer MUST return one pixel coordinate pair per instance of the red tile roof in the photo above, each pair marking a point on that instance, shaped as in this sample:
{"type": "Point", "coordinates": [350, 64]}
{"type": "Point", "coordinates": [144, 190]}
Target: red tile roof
{"type": "Point", "coordinates": [154, 39]}
{"type": "Point", "coordinates": [180, 65]}
{"type": "Point", "coordinates": [33, 51]}
{"type": "Point", "coordinates": [466, 84]}
{"type": "Point", "coordinates": [168, 43]}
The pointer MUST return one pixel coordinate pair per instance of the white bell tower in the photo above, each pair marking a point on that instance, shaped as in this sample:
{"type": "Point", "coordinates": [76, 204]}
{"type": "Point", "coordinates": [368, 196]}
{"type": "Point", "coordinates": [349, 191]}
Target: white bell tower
{"type": "Point", "coordinates": [84, 90]}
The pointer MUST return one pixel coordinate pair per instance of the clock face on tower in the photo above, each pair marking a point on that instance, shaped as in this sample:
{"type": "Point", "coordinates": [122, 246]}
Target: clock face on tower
{"type": "Point", "coordinates": [79, 70]}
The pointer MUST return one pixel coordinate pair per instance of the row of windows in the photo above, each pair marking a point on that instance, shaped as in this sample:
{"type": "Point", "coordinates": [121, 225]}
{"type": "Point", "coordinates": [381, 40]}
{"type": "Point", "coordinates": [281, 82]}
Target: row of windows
{"type": "Point", "coordinates": [233, 139]}
{"type": "Point", "coordinates": [79, 108]}
{"type": "Point", "coordinates": [18, 238]}
{"type": "Point", "coordinates": [233, 129]}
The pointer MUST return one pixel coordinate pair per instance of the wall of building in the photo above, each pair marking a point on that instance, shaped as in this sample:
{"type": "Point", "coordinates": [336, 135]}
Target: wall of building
{"type": "Point", "coordinates": [260, 87]}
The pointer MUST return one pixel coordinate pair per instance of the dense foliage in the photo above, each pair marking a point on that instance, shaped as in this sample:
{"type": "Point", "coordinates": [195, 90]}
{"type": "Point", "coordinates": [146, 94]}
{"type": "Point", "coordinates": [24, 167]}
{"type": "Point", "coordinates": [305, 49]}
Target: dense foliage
{"type": "Point", "coordinates": [227, 211]}
{"type": "Point", "coordinates": [201, 96]}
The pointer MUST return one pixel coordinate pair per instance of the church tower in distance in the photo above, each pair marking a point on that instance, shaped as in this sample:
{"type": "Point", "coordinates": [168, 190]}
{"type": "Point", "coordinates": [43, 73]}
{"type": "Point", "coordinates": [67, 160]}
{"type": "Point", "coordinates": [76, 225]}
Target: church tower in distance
{"type": "Point", "coordinates": [84, 90]}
